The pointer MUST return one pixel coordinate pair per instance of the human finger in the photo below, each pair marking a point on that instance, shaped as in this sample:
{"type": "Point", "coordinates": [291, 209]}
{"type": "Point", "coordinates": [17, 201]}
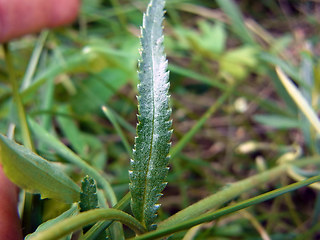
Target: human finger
{"type": "Point", "coordinates": [20, 17]}
{"type": "Point", "coordinates": [10, 228]}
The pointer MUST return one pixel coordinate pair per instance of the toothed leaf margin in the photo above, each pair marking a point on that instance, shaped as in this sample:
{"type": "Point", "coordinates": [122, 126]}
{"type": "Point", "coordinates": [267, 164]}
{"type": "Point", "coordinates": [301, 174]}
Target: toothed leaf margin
{"type": "Point", "coordinates": [150, 155]}
{"type": "Point", "coordinates": [88, 195]}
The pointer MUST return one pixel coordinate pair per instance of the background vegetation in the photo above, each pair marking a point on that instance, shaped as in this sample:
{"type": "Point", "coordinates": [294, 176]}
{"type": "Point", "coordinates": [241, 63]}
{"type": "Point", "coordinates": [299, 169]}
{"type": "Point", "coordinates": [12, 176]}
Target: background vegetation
{"type": "Point", "coordinates": [231, 115]}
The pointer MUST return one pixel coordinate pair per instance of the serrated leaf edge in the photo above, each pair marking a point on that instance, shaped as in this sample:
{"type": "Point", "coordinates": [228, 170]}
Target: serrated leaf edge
{"type": "Point", "coordinates": [145, 208]}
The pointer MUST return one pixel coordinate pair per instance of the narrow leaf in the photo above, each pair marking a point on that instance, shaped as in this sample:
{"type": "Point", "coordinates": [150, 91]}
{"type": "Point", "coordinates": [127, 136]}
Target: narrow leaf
{"type": "Point", "coordinates": [34, 174]}
{"type": "Point", "coordinates": [150, 154]}
{"type": "Point", "coordinates": [109, 114]}
{"type": "Point", "coordinates": [301, 102]}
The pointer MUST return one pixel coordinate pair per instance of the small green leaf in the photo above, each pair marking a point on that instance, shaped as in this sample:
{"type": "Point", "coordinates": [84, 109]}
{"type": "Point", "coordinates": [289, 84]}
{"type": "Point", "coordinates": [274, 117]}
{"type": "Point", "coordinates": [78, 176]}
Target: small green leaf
{"type": "Point", "coordinates": [88, 195]}
{"type": "Point", "coordinates": [35, 174]}
{"type": "Point", "coordinates": [150, 155]}
{"type": "Point", "coordinates": [88, 198]}
{"type": "Point", "coordinates": [216, 32]}
{"type": "Point", "coordinates": [238, 62]}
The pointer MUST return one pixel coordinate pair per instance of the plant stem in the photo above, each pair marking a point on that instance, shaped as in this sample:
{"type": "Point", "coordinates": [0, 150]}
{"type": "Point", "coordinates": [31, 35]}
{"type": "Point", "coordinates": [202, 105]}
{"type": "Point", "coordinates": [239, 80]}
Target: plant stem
{"type": "Point", "coordinates": [226, 210]}
{"type": "Point", "coordinates": [17, 99]}
{"type": "Point", "coordinates": [73, 223]}
{"type": "Point", "coordinates": [115, 124]}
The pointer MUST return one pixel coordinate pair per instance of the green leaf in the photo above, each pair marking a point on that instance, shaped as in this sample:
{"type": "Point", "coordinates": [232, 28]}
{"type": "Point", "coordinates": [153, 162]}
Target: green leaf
{"type": "Point", "coordinates": [299, 99]}
{"type": "Point", "coordinates": [88, 198]}
{"type": "Point", "coordinates": [109, 114]}
{"type": "Point", "coordinates": [217, 32]}
{"type": "Point", "coordinates": [34, 174]}
{"type": "Point", "coordinates": [282, 92]}
{"type": "Point", "coordinates": [150, 156]}
{"type": "Point", "coordinates": [88, 195]}
{"type": "Point", "coordinates": [238, 62]}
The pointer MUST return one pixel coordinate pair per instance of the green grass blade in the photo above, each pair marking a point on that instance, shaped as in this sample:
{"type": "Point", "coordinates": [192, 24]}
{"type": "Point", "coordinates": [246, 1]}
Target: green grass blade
{"type": "Point", "coordinates": [34, 174]}
{"type": "Point", "coordinates": [72, 63]}
{"type": "Point", "coordinates": [288, 68]}
{"type": "Point", "coordinates": [150, 156]}
{"type": "Point", "coordinates": [301, 102]}
{"type": "Point", "coordinates": [122, 122]}
{"type": "Point", "coordinates": [47, 99]}
{"type": "Point", "coordinates": [34, 60]}
{"type": "Point", "coordinates": [109, 114]}
{"type": "Point", "coordinates": [201, 78]}
{"type": "Point", "coordinates": [282, 92]}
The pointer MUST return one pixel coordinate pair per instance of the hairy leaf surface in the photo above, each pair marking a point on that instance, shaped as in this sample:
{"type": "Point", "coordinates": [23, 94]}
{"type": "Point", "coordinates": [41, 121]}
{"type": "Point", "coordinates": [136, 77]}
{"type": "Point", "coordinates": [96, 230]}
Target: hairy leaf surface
{"type": "Point", "coordinates": [88, 195]}
{"type": "Point", "coordinates": [35, 174]}
{"type": "Point", "coordinates": [150, 154]}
